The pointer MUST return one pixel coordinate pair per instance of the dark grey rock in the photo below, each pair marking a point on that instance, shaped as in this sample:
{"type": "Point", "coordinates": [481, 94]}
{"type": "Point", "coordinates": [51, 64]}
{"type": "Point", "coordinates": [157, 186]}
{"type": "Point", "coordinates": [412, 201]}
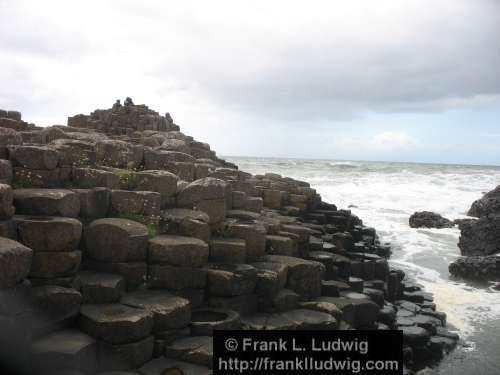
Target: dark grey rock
{"type": "Point", "coordinates": [15, 262]}
{"type": "Point", "coordinates": [169, 312]}
{"type": "Point", "coordinates": [427, 219]}
{"type": "Point", "coordinates": [116, 323]}
{"type": "Point", "coordinates": [488, 204]}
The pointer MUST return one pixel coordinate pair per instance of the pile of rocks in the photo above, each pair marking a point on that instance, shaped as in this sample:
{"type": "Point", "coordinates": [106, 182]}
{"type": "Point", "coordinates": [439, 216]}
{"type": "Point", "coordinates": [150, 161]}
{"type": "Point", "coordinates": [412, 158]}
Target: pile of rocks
{"type": "Point", "coordinates": [480, 240]}
{"type": "Point", "coordinates": [132, 242]}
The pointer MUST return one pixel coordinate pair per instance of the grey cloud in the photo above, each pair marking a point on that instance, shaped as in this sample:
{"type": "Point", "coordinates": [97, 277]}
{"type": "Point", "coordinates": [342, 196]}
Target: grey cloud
{"type": "Point", "coordinates": [287, 61]}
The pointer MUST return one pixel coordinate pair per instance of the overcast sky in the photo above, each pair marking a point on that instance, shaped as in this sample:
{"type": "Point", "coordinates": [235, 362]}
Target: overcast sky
{"type": "Point", "coordinates": [371, 80]}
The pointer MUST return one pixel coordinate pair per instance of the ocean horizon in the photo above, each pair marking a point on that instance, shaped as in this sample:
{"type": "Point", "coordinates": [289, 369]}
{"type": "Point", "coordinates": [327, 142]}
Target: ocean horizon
{"type": "Point", "coordinates": [463, 164]}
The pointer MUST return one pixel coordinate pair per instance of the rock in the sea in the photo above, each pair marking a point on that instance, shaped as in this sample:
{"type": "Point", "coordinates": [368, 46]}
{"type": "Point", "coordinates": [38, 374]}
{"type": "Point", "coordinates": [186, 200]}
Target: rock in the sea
{"type": "Point", "coordinates": [481, 268]}
{"type": "Point", "coordinates": [480, 237]}
{"type": "Point", "coordinates": [427, 219]}
{"type": "Point", "coordinates": [488, 204]}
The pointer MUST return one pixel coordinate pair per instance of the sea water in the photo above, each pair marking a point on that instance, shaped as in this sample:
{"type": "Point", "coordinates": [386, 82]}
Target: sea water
{"type": "Point", "coordinates": [384, 195]}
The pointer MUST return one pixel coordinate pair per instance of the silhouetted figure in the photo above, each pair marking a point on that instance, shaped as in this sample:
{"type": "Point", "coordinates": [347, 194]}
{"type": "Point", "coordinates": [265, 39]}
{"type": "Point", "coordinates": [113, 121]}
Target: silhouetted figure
{"type": "Point", "coordinates": [129, 101]}
{"type": "Point", "coordinates": [117, 104]}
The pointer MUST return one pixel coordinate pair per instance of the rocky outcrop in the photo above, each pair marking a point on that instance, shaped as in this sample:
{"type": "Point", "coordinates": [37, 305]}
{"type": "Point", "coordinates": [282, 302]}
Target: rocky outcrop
{"type": "Point", "coordinates": [480, 240]}
{"type": "Point", "coordinates": [481, 268]}
{"type": "Point", "coordinates": [488, 204]}
{"type": "Point", "coordinates": [480, 237]}
{"type": "Point", "coordinates": [125, 243]}
{"type": "Point", "coordinates": [427, 219]}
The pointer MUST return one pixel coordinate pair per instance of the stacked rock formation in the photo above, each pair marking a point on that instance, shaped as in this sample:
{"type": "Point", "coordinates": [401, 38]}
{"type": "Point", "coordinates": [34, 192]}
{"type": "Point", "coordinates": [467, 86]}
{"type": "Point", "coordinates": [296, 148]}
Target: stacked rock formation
{"type": "Point", "coordinates": [480, 240]}
{"type": "Point", "coordinates": [125, 244]}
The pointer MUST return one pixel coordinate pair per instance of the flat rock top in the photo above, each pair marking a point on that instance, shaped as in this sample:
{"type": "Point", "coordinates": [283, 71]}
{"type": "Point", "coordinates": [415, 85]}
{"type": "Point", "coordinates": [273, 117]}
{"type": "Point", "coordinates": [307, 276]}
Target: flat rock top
{"type": "Point", "coordinates": [131, 227]}
{"type": "Point", "coordinates": [154, 300]}
{"type": "Point", "coordinates": [207, 188]}
{"type": "Point", "coordinates": [320, 255]}
{"type": "Point", "coordinates": [292, 261]}
{"type": "Point", "coordinates": [42, 193]}
{"type": "Point", "coordinates": [185, 213]}
{"type": "Point", "coordinates": [113, 313]}
{"type": "Point", "coordinates": [190, 343]}
{"type": "Point", "coordinates": [158, 173]}
{"type": "Point", "coordinates": [99, 278]}
{"type": "Point", "coordinates": [8, 245]}
{"type": "Point", "coordinates": [228, 241]}
{"type": "Point", "coordinates": [242, 214]}
{"type": "Point", "coordinates": [68, 341]}
{"type": "Point", "coordinates": [172, 240]}
{"type": "Point", "coordinates": [273, 237]}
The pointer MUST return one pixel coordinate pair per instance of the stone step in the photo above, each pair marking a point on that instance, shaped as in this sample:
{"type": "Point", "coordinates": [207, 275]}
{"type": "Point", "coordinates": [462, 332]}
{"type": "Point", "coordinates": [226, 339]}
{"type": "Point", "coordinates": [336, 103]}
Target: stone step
{"type": "Point", "coordinates": [47, 202]}
{"type": "Point", "coordinates": [116, 240]}
{"type": "Point", "coordinates": [116, 323]}
{"type": "Point", "coordinates": [245, 304]}
{"type": "Point", "coordinates": [267, 321]}
{"type": "Point", "coordinates": [169, 311]}
{"type": "Point", "coordinates": [15, 262]}
{"type": "Point", "coordinates": [294, 319]}
{"type": "Point", "coordinates": [145, 204]}
{"type": "Point", "coordinates": [280, 245]}
{"type": "Point", "coordinates": [128, 356]}
{"type": "Point", "coordinates": [178, 251]}
{"type": "Point", "coordinates": [254, 234]}
{"type": "Point", "coordinates": [328, 260]}
{"type": "Point", "coordinates": [228, 280]}
{"type": "Point", "coordinates": [227, 250]}
{"type": "Point", "coordinates": [254, 204]}
{"type": "Point", "coordinates": [309, 319]}
{"type": "Point", "coordinates": [185, 222]}
{"type": "Point", "coordinates": [49, 265]}
{"type": "Point", "coordinates": [101, 287]}
{"type": "Point", "coordinates": [56, 308]}
{"type": "Point", "coordinates": [205, 321]}
{"type": "Point", "coordinates": [356, 284]}
{"type": "Point", "coordinates": [48, 233]}
{"type": "Point", "coordinates": [242, 215]}
{"type": "Point", "coordinates": [303, 276]}
{"type": "Point", "coordinates": [285, 300]}
{"type": "Point", "coordinates": [7, 208]}
{"type": "Point", "coordinates": [238, 199]}
{"type": "Point", "coordinates": [194, 349]}
{"type": "Point", "coordinates": [332, 288]}
{"type": "Point", "coordinates": [68, 349]}
{"type": "Point", "coordinates": [134, 273]}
